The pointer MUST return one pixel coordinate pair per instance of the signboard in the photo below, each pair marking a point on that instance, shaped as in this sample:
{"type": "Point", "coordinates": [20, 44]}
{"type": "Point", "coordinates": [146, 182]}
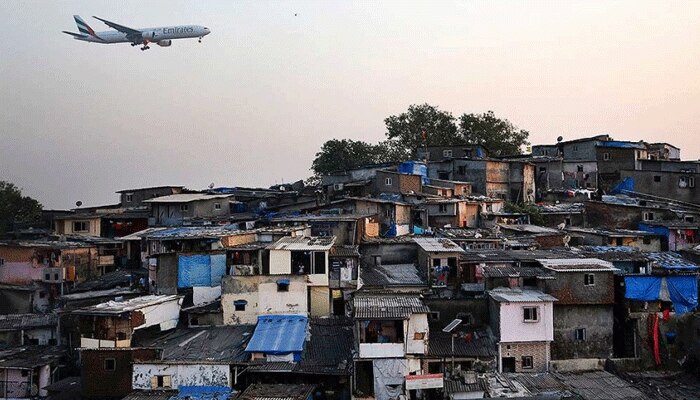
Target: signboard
{"type": "Point", "coordinates": [430, 381]}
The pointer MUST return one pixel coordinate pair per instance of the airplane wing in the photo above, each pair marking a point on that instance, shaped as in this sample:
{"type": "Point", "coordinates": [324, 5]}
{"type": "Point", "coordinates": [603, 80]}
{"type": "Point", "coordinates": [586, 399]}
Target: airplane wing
{"type": "Point", "coordinates": [120, 28]}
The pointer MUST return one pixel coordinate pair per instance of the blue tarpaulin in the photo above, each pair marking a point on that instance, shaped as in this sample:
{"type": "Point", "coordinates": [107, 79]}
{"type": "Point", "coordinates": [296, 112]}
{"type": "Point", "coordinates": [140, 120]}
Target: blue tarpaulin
{"type": "Point", "coordinates": [624, 186]}
{"type": "Point", "coordinates": [644, 288]}
{"type": "Point", "coordinates": [683, 291]}
{"type": "Point", "coordinates": [204, 392]}
{"type": "Point", "coordinates": [279, 334]}
{"type": "Point", "coordinates": [200, 270]}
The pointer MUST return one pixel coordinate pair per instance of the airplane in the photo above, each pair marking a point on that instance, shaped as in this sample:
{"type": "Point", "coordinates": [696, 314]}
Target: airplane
{"type": "Point", "coordinates": [162, 36]}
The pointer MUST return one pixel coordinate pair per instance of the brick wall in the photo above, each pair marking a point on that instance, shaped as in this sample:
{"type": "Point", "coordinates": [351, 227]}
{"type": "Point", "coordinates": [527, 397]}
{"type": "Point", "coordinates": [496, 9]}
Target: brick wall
{"type": "Point", "coordinates": [539, 351]}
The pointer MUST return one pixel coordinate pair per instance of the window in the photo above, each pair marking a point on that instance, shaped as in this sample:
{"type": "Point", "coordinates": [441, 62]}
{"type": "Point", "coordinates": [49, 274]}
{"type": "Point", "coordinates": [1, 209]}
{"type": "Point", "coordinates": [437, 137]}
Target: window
{"type": "Point", "coordinates": [462, 170]}
{"type": "Point", "coordinates": [42, 295]}
{"type": "Point", "coordinates": [447, 153]}
{"type": "Point", "coordinates": [442, 208]}
{"type": "Point", "coordinates": [110, 364]}
{"type": "Point", "coordinates": [388, 181]}
{"type": "Point", "coordinates": [2, 261]}
{"type": "Point", "coordinates": [687, 219]}
{"type": "Point", "coordinates": [217, 206]}
{"type": "Point", "coordinates": [580, 334]}
{"type": "Point", "coordinates": [418, 335]}
{"type": "Point", "coordinates": [239, 305]}
{"type": "Point", "coordinates": [388, 213]}
{"type": "Point", "coordinates": [657, 178]}
{"type": "Point", "coordinates": [530, 314]}
{"type": "Point", "coordinates": [47, 277]}
{"type": "Point", "coordinates": [682, 182]}
{"type": "Point", "coordinates": [543, 169]}
{"type": "Point", "coordinates": [691, 181]}
{"type": "Point", "coordinates": [55, 276]}
{"type": "Point", "coordinates": [648, 216]}
{"type": "Point", "coordinates": [80, 226]}
{"type": "Point", "coordinates": [160, 381]}
{"type": "Point", "coordinates": [319, 262]}
{"type": "Point", "coordinates": [184, 207]}
{"type": "Point", "coordinates": [435, 316]}
{"type": "Point", "coordinates": [579, 168]}
{"type": "Point", "coordinates": [646, 240]}
{"type": "Point", "coordinates": [606, 156]}
{"type": "Point", "coordinates": [589, 279]}
{"type": "Point", "coordinates": [526, 362]}
{"type": "Point", "coordinates": [129, 197]}
{"type": "Point", "coordinates": [575, 148]}
{"type": "Point", "coordinates": [283, 285]}
{"type": "Point", "coordinates": [468, 153]}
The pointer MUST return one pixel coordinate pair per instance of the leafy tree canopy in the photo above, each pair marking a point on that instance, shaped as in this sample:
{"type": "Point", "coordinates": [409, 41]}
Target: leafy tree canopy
{"type": "Point", "coordinates": [499, 136]}
{"type": "Point", "coordinates": [345, 154]}
{"type": "Point", "coordinates": [420, 125]}
{"type": "Point", "coordinates": [15, 208]}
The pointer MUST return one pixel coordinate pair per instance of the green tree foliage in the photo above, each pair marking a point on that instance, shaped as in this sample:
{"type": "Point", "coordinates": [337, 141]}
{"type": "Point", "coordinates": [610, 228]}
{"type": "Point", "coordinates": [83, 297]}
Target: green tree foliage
{"type": "Point", "coordinates": [499, 136]}
{"type": "Point", "coordinates": [15, 208]}
{"type": "Point", "coordinates": [532, 210]}
{"type": "Point", "coordinates": [406, 130]}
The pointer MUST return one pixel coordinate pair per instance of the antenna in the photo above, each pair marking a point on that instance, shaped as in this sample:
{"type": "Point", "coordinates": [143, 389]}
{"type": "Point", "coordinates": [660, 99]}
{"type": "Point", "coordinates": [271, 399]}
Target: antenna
{"type": "Point", "coordinates": [452, 325]}
{"type": "Point", "coordinates": [559, 139]}
{"type": "Point", "coordinates": [211, 185]}
{"type": "Point", "coordinates": [78, 203]}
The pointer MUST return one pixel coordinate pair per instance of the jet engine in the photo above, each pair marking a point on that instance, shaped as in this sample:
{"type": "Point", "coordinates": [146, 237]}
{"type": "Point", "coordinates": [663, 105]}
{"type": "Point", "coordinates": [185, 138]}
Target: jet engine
{"type": "Point", "coordinates": [165, 43]}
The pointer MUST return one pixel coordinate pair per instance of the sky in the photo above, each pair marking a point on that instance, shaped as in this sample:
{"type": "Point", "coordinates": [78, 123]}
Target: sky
{"type": "Point", "coordinates": [252, 103]}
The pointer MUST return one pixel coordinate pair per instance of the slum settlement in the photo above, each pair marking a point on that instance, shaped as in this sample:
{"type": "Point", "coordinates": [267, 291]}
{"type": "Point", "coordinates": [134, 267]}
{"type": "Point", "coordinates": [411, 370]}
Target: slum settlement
{"type": "Point", "coordinates": [571, 272]}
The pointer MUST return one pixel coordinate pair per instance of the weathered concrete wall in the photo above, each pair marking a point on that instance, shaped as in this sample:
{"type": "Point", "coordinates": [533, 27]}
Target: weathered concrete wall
{"type": "Point", "coordinates": [569, 288]}
{"type": "Point", "coordinates": [260, 291]}
{"type": "Point", "coordinates": [598, 323]}
{"type": "Point", "coordinates": [182, 375]}
{"type": "Point", "coordinates": [166, 274]}
{"type": "Point", "coordinates": [100, 383]}
{"type": "Point", "coordinates": [539, 351]}
{"type": "Point", "coordinates": [606, 215]}
{"type": "Point", "coordinates": [513, 328]}
{"type": "Point", "coordinates": [391, 253]}
{"type": "Point", "coordinates": [668, 184]}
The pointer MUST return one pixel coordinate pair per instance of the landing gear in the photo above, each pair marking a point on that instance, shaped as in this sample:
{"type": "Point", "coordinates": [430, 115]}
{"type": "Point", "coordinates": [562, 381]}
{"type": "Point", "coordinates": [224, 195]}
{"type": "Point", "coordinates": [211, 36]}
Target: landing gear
{"type": "Point", "coordinates": [145, 47]}
{"type": "Point", "coordinates": [200, 39]}
{"type": "Point", "coordinates": [134, 44]}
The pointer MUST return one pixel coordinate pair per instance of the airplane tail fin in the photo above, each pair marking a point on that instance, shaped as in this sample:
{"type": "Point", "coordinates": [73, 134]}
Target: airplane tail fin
{"type": "Point", "coordinates": [83, 27]}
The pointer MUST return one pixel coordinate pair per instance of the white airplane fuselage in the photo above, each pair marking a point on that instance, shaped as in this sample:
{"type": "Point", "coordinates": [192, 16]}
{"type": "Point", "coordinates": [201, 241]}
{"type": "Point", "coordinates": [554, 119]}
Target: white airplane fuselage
{"type": "Point", "coordinates": [152, 35]}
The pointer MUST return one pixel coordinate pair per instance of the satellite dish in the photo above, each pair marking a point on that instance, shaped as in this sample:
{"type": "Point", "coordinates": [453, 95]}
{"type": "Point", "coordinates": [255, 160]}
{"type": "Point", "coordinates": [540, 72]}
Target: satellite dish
{"type": "Point", "coordinates": [211, 185]}
{"type": "Point", "coordinates": [78, 203]}
{"type": "Point", "coordinates": [559, 139]}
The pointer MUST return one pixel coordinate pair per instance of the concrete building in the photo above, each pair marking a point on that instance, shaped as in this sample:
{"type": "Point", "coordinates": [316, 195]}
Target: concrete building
{"type": "Point", "coordinates": [439, 259]}
{"type": "Point", "coordinates": [177, 209]}
{"type": "Point", "coordinates": [522, 320]}
{"type": "Point", "coordinates": [583, 314]}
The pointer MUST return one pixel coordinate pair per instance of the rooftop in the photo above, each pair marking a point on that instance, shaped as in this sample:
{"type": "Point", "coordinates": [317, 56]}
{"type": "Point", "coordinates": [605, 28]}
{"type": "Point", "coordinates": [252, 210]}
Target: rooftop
{"type": "Point", "coordinates": [186, 198]}
{"type": "Point", "coordinates": [438, 245]}
{"type": "Point", "coordinates": [528, 228]}
{"type": "Point", "coordinates": [30, 357]}
{"type": "Point", "coordinates": [344, 251]}
{"type": "Point", "coordinates": [388, 306]}
{"type": "Point", "coordinates": [15, 322]}
{"type": "Point", "coordinates": [150, 188]}
{"type": "Point", "coordinates": [509, 271]}
{"type": "Point", "coordinates": [471, 344]}
{"type": "Point", "coordinates": [509, 295]}
{"type": "Point", "coordinates": [392, 275]}
{"type": "Point", "coordinates": [304, 243]}
{"type": "Point", "coordinates": [118, 307]}
{"type": "Point", "coordinates": [577, 265]}
{"type": "Point", "coordinates": [279, 334]}
{"type": "Point", "coordinates": [277, 391]}
{"type": "Point", "coordinates": [208, 345]}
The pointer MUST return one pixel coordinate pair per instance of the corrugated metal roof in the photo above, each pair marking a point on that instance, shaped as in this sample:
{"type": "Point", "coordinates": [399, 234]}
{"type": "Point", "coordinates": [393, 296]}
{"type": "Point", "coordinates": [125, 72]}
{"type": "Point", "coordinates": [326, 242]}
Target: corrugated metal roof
{"type": "Point", "coordinates": [508, 295]}
{"type": "Point", "coordinates": [14, 322]}
{"type": "Point", "coordinates": [118, 307]}
{"type": "Point", "coordinates": [671, 261]}
{"type": "Point", "coordinates": [392, 275]}
{"type": "Point", "coordinates": [344, 251]}
{"type": "Point", "coordinates": [29, 357]}
{"type": "Point", "coordinates": [277, 391]}
{"type": "Point", "coordinates": [388, 306]}
{"type": "Point", "coordinates": [186, 198]}
{"type": "Point", "coordinates": [214, 344]}
{"type": "Point", "coordinates": [577, 265]}
{"type": "Point", "coordinates": [305, 243]}
{"type": "Point", "coordinates": [279, 334]}
{"type": "Point", "coordinates": [479, 345]}
{"type": "Point", "coordinates": [509, 271]}
{"type": "Point", "coordinates": [438, 245]}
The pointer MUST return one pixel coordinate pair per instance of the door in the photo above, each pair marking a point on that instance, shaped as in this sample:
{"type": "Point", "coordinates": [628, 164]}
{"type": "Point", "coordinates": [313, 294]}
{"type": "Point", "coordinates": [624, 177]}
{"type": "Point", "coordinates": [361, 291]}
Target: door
{"type": "Point", "coordinates": [508, 364]}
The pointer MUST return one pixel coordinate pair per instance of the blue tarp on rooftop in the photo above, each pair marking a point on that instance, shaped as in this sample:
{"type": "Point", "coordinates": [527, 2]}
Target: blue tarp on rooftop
{"type": "Point", "coordinates": [200, 270]}
{"type": "Point", "coordinates": [624, 186]}
{"type": "Point", "coordinates": [204, 392]}
{"type": "Point", "coordinates": [643, 288]}
{"type": "Point", "coordinates": [279, 334]}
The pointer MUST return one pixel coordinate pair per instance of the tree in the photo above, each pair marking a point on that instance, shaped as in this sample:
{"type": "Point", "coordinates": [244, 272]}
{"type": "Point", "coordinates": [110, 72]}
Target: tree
{"type": "Point", "coordinates": [341, 155]}
{"type": "Point", "coordinates": [15, 208]}
{"type": "Point", "coordinates": [422, 125]}
{"type": "Point", "coordinates": [499, 136]}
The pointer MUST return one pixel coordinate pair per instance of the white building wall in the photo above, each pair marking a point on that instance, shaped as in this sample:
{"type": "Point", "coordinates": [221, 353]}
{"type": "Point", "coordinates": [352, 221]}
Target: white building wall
{"type": "Point", "coordinates": [165, 314]}
{"type": "Point", "coordinates": [417, 324]}
{"type": "Point", "coordinates": [514, 329]}
{"type": "Point", "coordinates": [280, 262]}
{"type": "Point", "coordinates": [182, 375]}
{"type": "Point", "coordinates": [263, 299]}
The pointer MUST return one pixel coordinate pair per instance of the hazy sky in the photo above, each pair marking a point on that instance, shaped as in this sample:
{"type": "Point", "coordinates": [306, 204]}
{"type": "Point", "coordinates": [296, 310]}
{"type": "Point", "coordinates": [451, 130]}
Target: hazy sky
{"type": "Point", "coordinates": [252, 104]}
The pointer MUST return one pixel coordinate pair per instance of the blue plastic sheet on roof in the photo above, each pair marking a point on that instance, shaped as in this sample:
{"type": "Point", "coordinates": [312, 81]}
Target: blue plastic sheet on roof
{"type": "Point", "coordinates": [657, 230]}
{"type": "Point", "coordinates": [643, 288]}
{"type": "Point", "coordinates": [683, 291]}
{"type": "Point", "coordinates": [624, 186]}
{"type": "Point", "coordinates": [279, 334]}
{"type": "Point", "coordinates": [417, 230]}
